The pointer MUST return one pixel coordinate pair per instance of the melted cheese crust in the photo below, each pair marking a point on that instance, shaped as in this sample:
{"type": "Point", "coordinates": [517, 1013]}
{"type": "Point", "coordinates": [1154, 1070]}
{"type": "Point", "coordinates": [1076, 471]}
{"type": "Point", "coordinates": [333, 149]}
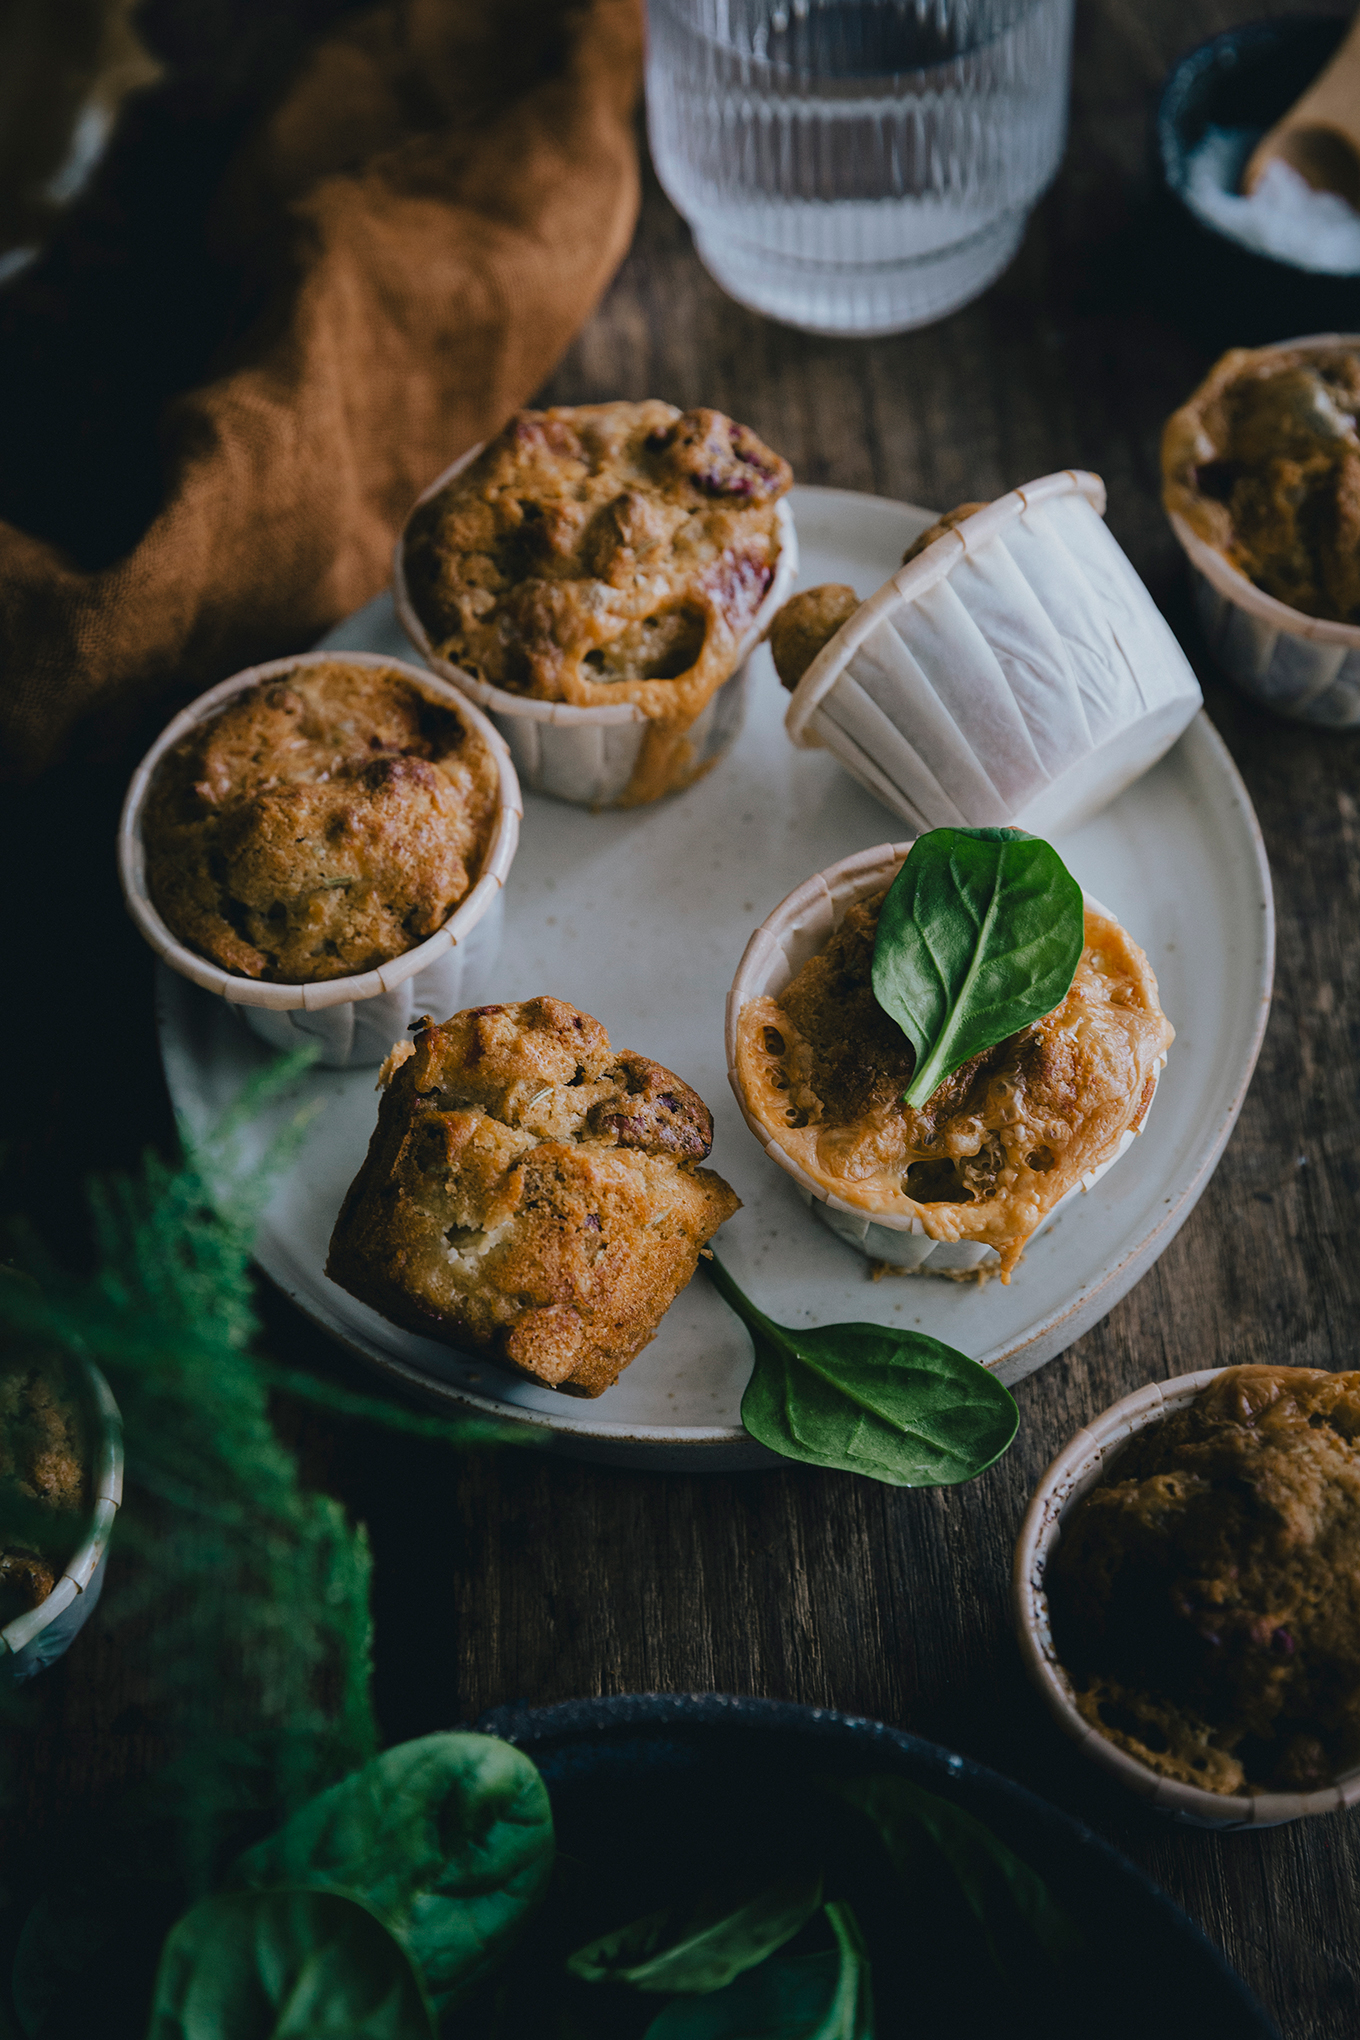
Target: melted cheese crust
{"type": "Point", "coordinates": [1006, 1137]}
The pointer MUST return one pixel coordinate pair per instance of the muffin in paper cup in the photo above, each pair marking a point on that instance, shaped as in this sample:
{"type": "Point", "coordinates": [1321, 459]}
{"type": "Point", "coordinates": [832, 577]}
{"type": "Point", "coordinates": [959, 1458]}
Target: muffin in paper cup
{"type": "Point", "coordinates": [1304, 667]}
{"type": "Point", "coordinates": [37, 1638]}
{"type": "Point", "coordinates": [797, 930]}
{"type": "Point", "coordinates": [353, 1019]}
{"type": "Point", "coordinates": [1014, 672]}
{"type": "Point", "coordinates": [597, 756]}
{"type": "Point", "coordinates": [1083, 1462]}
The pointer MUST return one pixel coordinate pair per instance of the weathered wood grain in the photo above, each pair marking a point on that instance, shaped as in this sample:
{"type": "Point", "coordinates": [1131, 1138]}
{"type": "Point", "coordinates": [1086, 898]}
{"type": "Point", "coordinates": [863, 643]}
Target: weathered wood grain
{"type": "Point", "coordinates": [519, 1576]}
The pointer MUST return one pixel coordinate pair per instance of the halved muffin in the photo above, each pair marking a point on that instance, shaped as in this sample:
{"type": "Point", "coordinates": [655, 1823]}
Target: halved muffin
{"type": "Point", "coordinates": [530, 1193]}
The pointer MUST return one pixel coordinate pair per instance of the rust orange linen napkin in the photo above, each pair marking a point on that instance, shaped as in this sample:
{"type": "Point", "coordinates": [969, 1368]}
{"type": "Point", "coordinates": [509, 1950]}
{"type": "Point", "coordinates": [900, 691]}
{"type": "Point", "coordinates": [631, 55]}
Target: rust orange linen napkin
{"type": "Point", "coordinates": [420, 220]}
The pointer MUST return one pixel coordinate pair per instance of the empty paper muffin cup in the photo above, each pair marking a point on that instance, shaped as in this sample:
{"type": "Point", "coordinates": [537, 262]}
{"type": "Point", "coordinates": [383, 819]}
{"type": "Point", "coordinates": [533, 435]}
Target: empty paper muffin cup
{"type": "Point", "coordinates": [796, 931]}
{"type": "Point", "coordinates": [36, 1639]}
{"type": "Point", "coordinates": [590, 755]}
{"type": "Point", "coordinates": [1016, 672]}
{"type": "Point", "coordinates": [1084, 1461]}
{"type": "Point", "coordinates": [1301, 666]}
{"type": "Point", "coordinates": [353, 1020]}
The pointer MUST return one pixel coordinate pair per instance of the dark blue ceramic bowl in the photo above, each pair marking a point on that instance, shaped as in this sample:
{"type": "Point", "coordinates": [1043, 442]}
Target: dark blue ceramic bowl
{"type": "Point", "coordinates": [1225, 294]}
{"type": "Point", "coordinates": [651, 1787]}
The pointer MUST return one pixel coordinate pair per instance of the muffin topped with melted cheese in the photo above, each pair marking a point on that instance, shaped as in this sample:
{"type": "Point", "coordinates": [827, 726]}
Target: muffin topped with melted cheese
{"type": "Point", "coordinates": [990, 1153]}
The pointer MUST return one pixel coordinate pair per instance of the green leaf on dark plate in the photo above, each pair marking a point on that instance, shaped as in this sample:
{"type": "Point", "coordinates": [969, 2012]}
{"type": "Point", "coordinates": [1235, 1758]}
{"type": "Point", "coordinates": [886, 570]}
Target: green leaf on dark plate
{"type": "Point", "coordinates": [980, 935]}
{"type": "Point", "coordinates": [826, 1996]}
{"type": "Point", "coordinates": [896, 1406]}
{"type": "Point", "coordinates": [286, 1965]}
{"type": "Point", "coordinates": [449, 1838]}
{"type": "Point", "coordinates": [702, 1946]}
{"type": "Point", "coordinates": [1031, 1938]}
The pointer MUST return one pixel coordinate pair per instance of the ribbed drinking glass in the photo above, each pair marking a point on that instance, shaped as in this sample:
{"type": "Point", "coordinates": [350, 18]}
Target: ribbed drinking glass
{"type": "Point", "coordinates": [857, 166]}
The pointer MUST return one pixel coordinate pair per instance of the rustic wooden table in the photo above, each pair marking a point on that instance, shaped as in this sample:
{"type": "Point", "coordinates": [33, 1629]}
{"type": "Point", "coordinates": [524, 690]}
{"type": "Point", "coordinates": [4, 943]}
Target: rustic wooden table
{"type": "Point", "coordinates": [530, 1577]}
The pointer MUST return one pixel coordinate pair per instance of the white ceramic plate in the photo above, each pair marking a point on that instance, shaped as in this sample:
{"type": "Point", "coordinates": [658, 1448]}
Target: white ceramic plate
{"type": "Point", "coordinates": [641, 918]}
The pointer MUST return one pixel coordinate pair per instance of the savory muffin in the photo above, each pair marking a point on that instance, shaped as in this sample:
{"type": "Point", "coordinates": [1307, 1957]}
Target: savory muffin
{"type": "Point", "coordinates": [321, 824]}
{"type": "Point", "coordinates": [1205, 1596]}
{"type": "Point", "coordinates": [44, 1481]}
{"type": "Point", "coordinates": [530, 1193]}
{"type": "Point", "coordinates": [1263, 463]}
{"type": "Point", "coordinates": [823, 1069]}
{"type": "Point", "coordinates": [603, 554]}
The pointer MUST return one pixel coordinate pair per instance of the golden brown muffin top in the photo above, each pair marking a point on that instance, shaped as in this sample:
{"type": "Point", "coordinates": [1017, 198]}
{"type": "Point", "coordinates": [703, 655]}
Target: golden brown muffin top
{"type": "Point", "coordinates": [823, 1068]}
{"type": "Point", "coordinates": [321, 824]}
{"type": "Point", "coordinates": [603, 553]}
{"type": "Point", "coordinates": [530, 1192]}
{"type": "Point", "coordinates": [1206, 1595]}
{"type": "Point", "coordinates": [44, 1470]}
{"type": "Point", "coordinates": [1264, 464]}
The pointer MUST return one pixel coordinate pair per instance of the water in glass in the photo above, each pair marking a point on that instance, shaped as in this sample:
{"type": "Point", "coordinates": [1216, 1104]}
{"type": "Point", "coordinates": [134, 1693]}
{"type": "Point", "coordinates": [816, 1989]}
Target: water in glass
{"type": "Point", "coordinates": [857, 166]}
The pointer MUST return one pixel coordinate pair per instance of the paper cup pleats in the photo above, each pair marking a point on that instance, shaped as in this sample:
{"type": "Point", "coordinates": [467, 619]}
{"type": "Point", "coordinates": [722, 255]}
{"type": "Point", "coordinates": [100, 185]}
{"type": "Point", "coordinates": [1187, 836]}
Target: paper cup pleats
{"type": "Point", "coordinates": [352, 1020]}
{"type": "Point", "coordinates": [1017, 671]}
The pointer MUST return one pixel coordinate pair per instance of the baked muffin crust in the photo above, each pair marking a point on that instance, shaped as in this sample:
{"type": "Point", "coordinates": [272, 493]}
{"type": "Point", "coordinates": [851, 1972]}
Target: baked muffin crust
{"type": "Point", "coordinates": [322, 824]}
{"type": "Point", "coordinates": [604, 554]}
{"type": "Point", "coordinates": [1206, 1595]}
{"type": "Point", "coordinates": [1264, 464]}
{"type": "Point", "coordinates": [823, 1068]}
{"type": "Point", "coordinates": [530, 1193]}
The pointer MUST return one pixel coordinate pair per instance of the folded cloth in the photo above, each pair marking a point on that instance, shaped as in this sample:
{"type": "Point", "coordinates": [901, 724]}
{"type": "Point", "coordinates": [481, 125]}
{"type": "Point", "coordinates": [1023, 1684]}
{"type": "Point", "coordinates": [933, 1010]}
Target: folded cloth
{"type": "Point", "coordinates": [415, 224]}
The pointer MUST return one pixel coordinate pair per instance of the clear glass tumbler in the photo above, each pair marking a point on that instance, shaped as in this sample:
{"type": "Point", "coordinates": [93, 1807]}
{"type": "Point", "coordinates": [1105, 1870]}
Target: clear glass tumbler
{"type": "Point", "coordinates": [857, 166]}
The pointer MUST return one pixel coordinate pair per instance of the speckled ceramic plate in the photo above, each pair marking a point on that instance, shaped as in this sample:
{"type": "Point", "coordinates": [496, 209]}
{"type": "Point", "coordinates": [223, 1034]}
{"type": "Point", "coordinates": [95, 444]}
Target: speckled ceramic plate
{"type": "Point", "coordinates": [641, 918]}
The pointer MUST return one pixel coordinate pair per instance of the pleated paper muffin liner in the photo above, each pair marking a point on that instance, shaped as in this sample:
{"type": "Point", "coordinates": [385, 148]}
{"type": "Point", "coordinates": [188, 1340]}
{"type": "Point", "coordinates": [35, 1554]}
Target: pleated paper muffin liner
{"type": "Point", "coordinates": [355, 1019]}
{"type": "Point", "coordinates": [41, 1635]}
{"type": "Point", "coordinates": [1017, 671]}
{"type": "Point", "coordinates": [798, 929]}
{"type": "Point", "coordinates": [589, 756]}
{"type": "Point", "coordinates": [1301, 666]}
{"type": "Point", "coordinates": [1081, 1464]}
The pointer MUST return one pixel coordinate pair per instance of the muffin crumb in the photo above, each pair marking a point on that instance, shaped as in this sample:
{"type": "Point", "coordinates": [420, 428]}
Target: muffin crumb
{"type": "Point", "coordinates": [806, 625]}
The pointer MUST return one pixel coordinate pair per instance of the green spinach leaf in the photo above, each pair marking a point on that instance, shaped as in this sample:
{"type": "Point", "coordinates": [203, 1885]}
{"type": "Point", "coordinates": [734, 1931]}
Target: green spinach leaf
{"type": "Point", "coordinates": [980, 935]}
{"type": "Point", "coordinates": [1030, 1937]}
{"type": "Point", "coordinates": [286, 1965]}
{"type": "Point", "coordinates": [896, 1406]}
{"type": "Point", "coordinates": [449, 1838]}
{"type": "Point", "coordinates": [825, 1996]}
{"type": "Point", "coordinates": [700, 1947]}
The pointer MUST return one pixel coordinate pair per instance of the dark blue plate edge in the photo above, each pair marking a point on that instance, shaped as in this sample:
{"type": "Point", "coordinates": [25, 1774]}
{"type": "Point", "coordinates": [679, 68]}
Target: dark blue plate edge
{"type": "Point", "coordinates": [571, 1722]}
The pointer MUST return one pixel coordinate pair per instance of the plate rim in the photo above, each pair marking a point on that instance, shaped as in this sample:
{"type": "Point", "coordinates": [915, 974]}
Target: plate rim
{"type": "Point", "coordinates": [731, 1448]}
